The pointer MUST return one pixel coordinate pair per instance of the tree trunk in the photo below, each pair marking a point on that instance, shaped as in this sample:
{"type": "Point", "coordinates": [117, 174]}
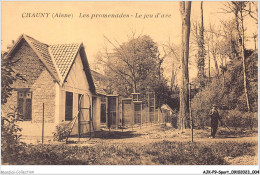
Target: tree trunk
{"type": "Point", "coordinates": [255, 40]}
{"type": "Point", "coordinates": [173, 78]}
{"type": "Point", "coordinates": [240, 29]}
{"type": "Point", "coordinates": [209, 62]}
{"type": "Point", "coordinates": [201, 60]}
{"type": "Point", "coordinates": [185, 10]}
{"type": "Point", "coordinates": [243, 58]}
{"type": "Point", "coordinates": [135, 87]}
{"type": "Point", "coordinates": [216, 63]}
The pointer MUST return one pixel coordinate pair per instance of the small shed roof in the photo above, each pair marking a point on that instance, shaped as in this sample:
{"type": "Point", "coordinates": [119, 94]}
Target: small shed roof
{"type": "Point", "coordinates": [167, 107]}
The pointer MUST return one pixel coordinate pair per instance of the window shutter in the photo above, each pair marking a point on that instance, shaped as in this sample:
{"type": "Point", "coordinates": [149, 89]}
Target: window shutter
{"type": "Point", "coordinates": [20, 105]}
{"type": "Point", "coordinates": [69, 106]}
{"type": "Point", "coordinates": [25, 104]}
{"type": "Point", "coordinates": [28, 109]}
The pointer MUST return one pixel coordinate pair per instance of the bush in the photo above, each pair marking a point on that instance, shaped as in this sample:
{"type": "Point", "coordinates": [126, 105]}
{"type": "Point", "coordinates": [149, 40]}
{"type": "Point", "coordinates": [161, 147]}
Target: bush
{"type": "Point", "coordinates": [203, 100]}
{"type": "Point", "coordinates": [238, 119]}
{"type": "Point", "coordinates": [62, 132]}
{"type": "Point", "coordinates": [11, 145]}
{"type": "Point", "coordinates": [227, 91]}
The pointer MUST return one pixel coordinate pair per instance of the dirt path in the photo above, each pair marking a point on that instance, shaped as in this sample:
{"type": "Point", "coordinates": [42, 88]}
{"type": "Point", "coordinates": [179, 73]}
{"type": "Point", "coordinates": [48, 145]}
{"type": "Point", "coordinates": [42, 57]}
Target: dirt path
{"type": "Point", "coordinates": [157, 133]}
{"type": "Point", "coordinates": [152, 134]}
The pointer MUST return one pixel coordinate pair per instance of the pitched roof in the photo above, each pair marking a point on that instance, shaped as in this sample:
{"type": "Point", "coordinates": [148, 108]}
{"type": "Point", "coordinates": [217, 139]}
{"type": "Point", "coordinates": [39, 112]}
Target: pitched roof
{"type": "Point", "coordinates": [98, 77]}
{"type": "Point", "coordinates": [99, 90]}
{"type": "Point", "coordinates": [58, 59]}
{"type": "Point", "coordinates": [64, 55]}
{"type": "Point", "coordinates": [42, 50]}
{"type": "Point", "coordinates": [167, 107]}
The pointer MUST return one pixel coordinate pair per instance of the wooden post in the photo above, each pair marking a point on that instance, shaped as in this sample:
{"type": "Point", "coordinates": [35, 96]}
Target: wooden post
{"type": "Point", "coordinates": [146, 118]}
{"type": "Point", "coordinates": [133, 116]}
{"type": "Point", "coordinates": [106, 112]}
{"type": "Point", "coordinates": [149, 118]}
{"type": "Point", "coordinates": [78, 127]}
{"type": "Point", "coordinates": [154, 108]}
{"type": "Point", "coordinates": [117, 111]}
{"type": "Point", "coordinates": [42, 122]}
{"type": "Point", "coordinates": [164, 118]}
{"type": "Point", "coordinates": [141, 115]}
{"type": "Point", "coordinates": [122, 121]}
{"type": "Point", "coordinates": [79, 119]}
{"type": "Point", "coordinates": [92, 117]}
{"type": "Point", "coordinates": [158, 117]}
{"type": "Point", "coordinates": [90, 112]}
{"type": "Point", "coordinates": [191, 119]}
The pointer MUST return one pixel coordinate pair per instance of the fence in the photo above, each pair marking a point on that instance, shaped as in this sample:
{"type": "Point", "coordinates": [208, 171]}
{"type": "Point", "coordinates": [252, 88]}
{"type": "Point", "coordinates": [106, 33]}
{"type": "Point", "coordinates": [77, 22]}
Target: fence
{"type": "Point", "coordinates": [132, 112]}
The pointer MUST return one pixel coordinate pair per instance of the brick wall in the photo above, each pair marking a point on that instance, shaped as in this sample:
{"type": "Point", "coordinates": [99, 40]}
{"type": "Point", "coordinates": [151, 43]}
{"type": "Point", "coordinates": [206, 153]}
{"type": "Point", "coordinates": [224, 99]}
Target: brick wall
{"type": "Point", "coordinates": [43, 92]}
{"type": "Point", "coordinates": [39, 81]}
{"type": "Point", "coordinates": [28, 65]}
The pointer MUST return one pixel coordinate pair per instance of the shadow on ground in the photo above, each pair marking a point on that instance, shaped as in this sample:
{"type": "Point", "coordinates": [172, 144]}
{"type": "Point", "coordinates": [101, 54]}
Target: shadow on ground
{"type": "Point", "coordinates": [159, 132]}
{"type": "Point", "coordinates": [236, 133]}
{"type": "Point", "coordinates": [110, 135]}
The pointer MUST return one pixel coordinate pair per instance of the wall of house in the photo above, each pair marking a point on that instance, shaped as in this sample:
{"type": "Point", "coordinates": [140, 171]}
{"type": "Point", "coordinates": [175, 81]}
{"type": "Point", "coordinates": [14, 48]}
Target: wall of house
{"type": "Point", "coordinates": [77, 83]}
{"type": "Point", "coordinates": [42, 86]}
{"type": "Point", "coordinates": [97, 112]}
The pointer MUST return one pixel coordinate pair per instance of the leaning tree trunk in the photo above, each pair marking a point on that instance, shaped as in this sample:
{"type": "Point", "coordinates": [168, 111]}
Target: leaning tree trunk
{"type": "Point", "coordinates": [241, 30]}
{"type": "Point", "coordinates": [185, 10]}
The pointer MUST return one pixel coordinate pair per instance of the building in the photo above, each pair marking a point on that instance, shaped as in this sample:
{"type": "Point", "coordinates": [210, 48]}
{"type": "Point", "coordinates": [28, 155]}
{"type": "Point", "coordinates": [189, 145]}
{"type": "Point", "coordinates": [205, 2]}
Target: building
{"type": "Point", "coordinates": [168, 112]}
{"type": "Point", "coordinates": [59, 77]}
{"type": "Point", "coordinates": [101, 85]}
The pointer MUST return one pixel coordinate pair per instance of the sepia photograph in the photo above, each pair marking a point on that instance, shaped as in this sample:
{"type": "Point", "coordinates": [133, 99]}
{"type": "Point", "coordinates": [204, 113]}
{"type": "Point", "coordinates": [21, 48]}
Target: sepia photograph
{"type": "Point", "coordinates": [130, 83]}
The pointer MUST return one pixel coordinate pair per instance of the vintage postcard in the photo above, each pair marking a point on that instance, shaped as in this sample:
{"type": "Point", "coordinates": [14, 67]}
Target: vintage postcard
{"type": "Point", "coordinates": [129, 83]}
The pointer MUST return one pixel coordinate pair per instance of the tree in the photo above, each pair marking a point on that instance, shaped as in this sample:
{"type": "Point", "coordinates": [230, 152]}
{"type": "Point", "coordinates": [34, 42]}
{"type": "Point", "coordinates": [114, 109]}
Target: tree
{"type": "Point", "coordinates": [252, 10]}
{"type": "Point", "coordinates": [198, 41]}
{"type": "Point", "coordinates": [133, 66]}
{"type": "Point", "coordinates": [239, 9]}
{"type": "Point", "coordinates": [173, 59]}
{"type": "Point", "coordinates": [10, 131]}
{"type": "Point", "coordinates": [216, 41]}
{"type": "Point", "coordinates": [185, 10]}
{"type": "Point", "coordinates": [8, 77]}
{"type": "Point", "coordinates": [214, 47]}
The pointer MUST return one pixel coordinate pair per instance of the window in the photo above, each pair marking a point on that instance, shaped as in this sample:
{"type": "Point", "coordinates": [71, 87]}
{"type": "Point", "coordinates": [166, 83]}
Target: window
{"type": "Point", "coordinates": [69, 106]}
{"type": "Point", "coordinates": [135, 96]}
{"type": "Point", "coordinates": [25, 104]}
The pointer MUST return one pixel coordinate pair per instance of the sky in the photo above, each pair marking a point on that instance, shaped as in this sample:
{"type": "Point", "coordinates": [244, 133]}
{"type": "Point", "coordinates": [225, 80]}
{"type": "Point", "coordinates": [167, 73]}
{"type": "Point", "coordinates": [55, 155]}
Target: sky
{"type": "Point", "coordinates": [92, 31]}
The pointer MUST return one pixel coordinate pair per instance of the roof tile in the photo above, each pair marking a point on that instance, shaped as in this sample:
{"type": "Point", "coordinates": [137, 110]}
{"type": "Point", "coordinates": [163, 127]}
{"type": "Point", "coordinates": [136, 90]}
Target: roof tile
{"type": "Point", "coordinates": [43, 51]}
{"type": "Point", "coordinates": [64, 55]}
{"type": "Point", "coordinates": [58, 60]}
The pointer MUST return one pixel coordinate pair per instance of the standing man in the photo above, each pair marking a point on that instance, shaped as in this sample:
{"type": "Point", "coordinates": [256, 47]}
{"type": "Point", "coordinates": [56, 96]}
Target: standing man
{"type": "Point", "coordinates": [214, 120]}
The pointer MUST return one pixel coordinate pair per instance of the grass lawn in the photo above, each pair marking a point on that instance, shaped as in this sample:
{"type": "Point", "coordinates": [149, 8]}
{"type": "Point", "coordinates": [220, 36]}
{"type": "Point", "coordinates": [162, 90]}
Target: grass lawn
{"type": "Point", "coordinates": [158, 153]}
